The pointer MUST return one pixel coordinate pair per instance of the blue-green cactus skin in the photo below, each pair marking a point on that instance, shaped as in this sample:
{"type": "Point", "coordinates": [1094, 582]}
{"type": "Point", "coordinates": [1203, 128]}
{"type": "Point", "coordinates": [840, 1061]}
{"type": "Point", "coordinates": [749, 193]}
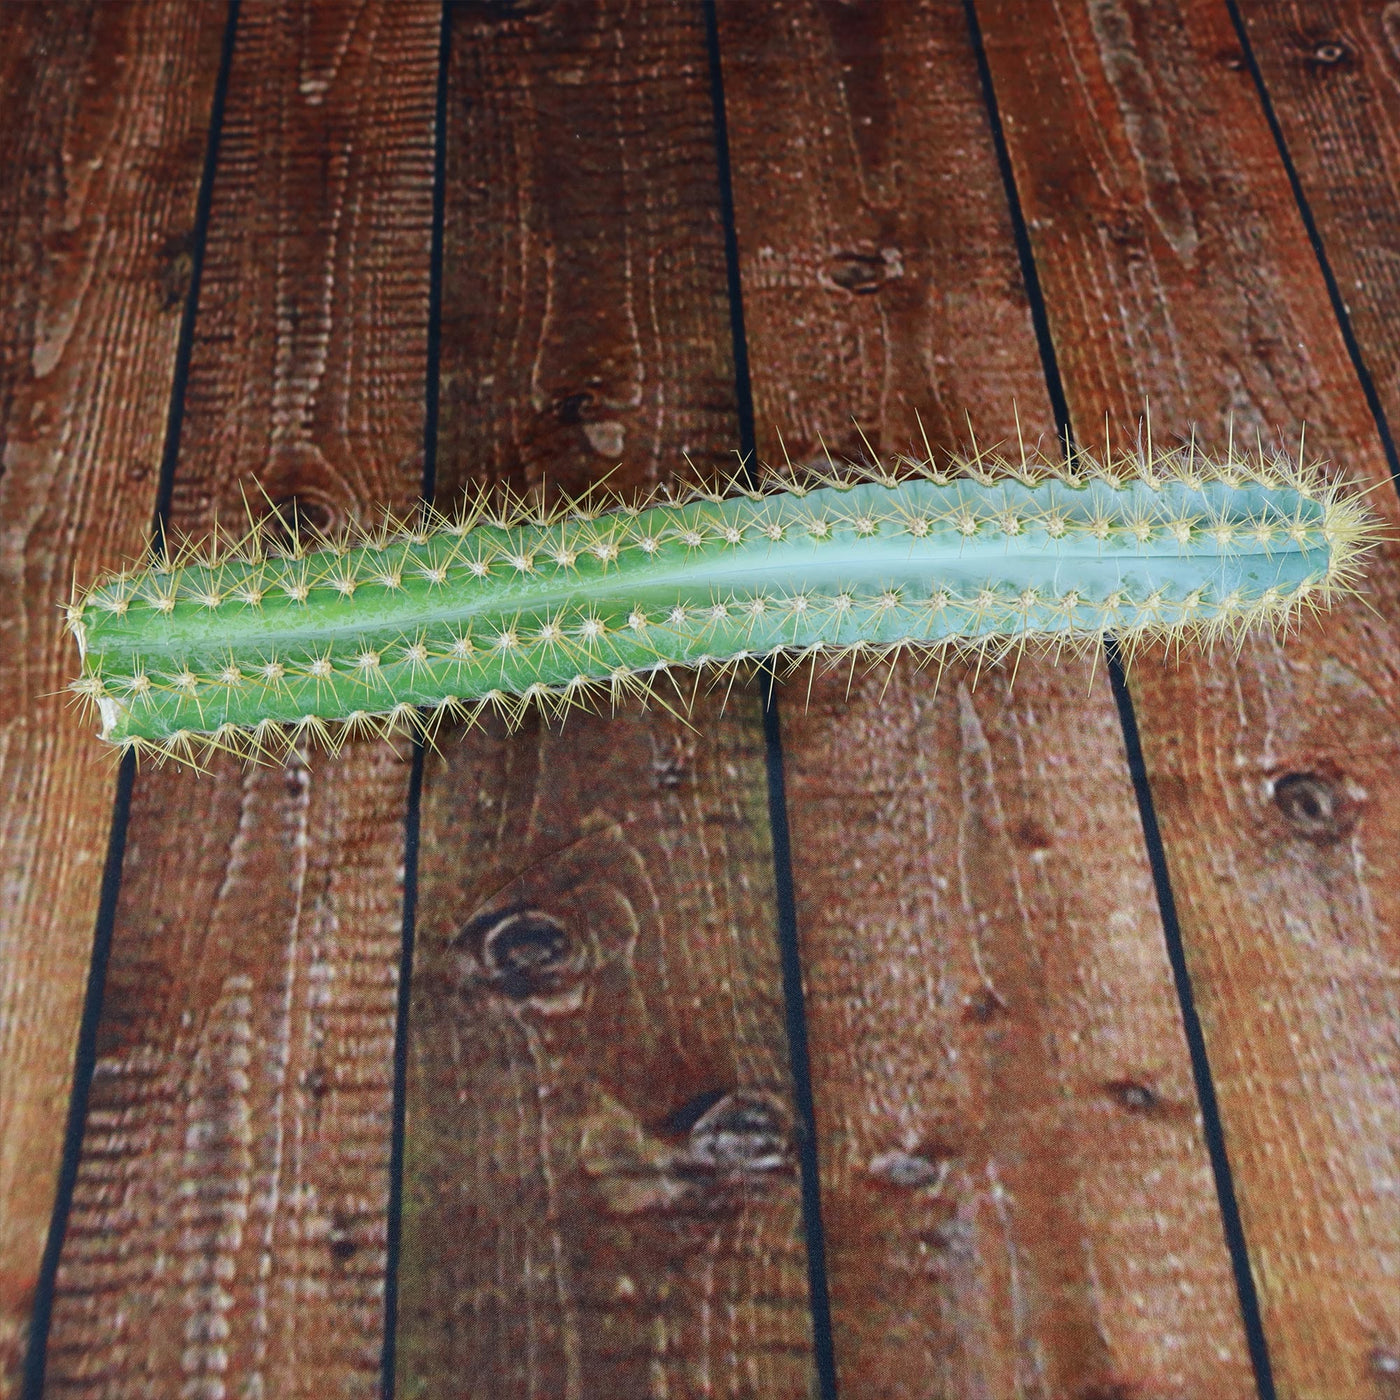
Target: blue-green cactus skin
{"type": "Point", "coordinates": [411, 625]}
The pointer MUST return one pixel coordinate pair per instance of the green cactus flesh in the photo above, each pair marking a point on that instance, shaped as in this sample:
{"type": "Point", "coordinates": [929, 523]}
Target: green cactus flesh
{"type": "Point", "coordinates": [251, 647]}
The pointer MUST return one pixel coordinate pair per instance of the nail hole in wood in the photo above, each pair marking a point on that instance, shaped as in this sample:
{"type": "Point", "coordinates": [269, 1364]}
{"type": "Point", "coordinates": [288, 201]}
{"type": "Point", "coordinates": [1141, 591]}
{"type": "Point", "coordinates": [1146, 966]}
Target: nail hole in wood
{"type": "Point", "coordinates": [343, 1248]}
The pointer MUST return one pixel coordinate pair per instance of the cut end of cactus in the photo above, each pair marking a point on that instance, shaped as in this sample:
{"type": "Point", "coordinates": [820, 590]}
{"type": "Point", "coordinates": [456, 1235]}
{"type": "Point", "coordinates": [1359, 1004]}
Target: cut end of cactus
{"type": "Point", "coordinates": [110, 712]}
{"type": "Point", "coordinates": [258, 648]}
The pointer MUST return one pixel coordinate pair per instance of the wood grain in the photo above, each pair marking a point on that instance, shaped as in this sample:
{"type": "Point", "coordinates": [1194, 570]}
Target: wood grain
{"type": "Point", "coordinates": [600, 1192]}
{"type": "Point", "coordinates": [1175, 265]}
{"type": "Point", "coordinates": [1015, 1190]}
{"type": "Point", "coordinates": [1331, 68]}
{"type": "Point", "coordinates": [228, 1225]}
{"type": "Point", "coordinates": [104, 112]}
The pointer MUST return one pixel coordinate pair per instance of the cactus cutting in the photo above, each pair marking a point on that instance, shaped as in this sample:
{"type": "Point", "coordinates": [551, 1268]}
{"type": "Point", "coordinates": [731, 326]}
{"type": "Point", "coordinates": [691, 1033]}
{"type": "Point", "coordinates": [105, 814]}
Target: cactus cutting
{"type": "Point", "coordinates": [256, 646]}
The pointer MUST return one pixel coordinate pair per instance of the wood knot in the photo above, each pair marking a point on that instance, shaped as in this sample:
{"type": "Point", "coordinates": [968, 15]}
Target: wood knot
{"type": "Point", "coordinates": [911, 1171]}
{"type": "Point", "coordinates": [1385, 1366]}
{"type": "Point", "coordinates": [524, 954]}
{"type": "Point", "coordinates": [726, 1140]}
{"type": "Point", "coordinates": [862, 273]}
{"type": "Point", "coordinates": [1328, 52]}
{"type": "Point", "coordinates": [1315, 805]}
{"type": "Point", "coordinates": [570, 408]}
{"type": "Point", "coordinates": [607, 438]}
{"type": "Point", "coordinates": [742, 1131]}
{"type": "Point", "coordinates": [983, 1007]}
{"type": "Point", "coordinates": [298, 518]}
{"type": "Point", "coordinates": [683, 1119]}
{"type": "Point", "coordinates": [1032, 836]}
{"type": "Point", "coordinates": [1133, 1096]}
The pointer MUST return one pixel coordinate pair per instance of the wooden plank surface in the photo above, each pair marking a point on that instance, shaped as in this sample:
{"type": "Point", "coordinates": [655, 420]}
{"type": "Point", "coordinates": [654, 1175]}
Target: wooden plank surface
{"type": "Point", "coordinates": [1330, 68]}
{"type": "Point", "coordinates": [1016, 1194]}
{"type": "Point", "coordinates": [1175, 265]}
{"type": "Point", "coordinates": [104, 111]}
{"type": "Point", "coordinates": [600, 1195]}
{"type": "Point", "coordinates": [228, 1225]}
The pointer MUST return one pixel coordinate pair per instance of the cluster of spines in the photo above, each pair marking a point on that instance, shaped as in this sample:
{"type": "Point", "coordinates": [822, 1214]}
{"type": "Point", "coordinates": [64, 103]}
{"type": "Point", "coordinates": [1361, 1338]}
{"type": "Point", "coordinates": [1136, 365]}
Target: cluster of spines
{"type": "Point", "coordinates": [507, 541]}
{"type": "Point", "coordinates": [482, 544]}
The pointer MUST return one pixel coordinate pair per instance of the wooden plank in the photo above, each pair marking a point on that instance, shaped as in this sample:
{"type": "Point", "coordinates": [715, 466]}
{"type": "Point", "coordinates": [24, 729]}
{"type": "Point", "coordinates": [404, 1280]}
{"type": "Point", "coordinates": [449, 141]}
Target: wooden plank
{"type": "Point", "coordinates": [229, 1223]}
{"type": "Point", "coordinates": [104, 111]}
{"type": "Point", "coordinates": [1175, 265]}
{"type": "Point", "coordinates": [1328, 67]}
{"type": "Point", "coordinates": [1015, 1190]}
{"type": "Point", "coordinates": [600, 1192]}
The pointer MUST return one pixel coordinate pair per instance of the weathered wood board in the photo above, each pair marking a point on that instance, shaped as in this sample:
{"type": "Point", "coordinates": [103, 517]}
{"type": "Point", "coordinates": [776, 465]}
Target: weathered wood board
{"type": "Point", "coordinates": [1176, 266]}
{"type": "Point", "coordinates": [1330, 69]}
{"type": "Point", "coordinates": [601, 1195]}
{"type": "Point", "coordinates": [104, 113]}
{"type": "Point", "coordinates": [601, 1192]}
{"type": "Point", "coordinates": [228, 1226]}
{"type": "Point", "coordinates": [1016, 1195]}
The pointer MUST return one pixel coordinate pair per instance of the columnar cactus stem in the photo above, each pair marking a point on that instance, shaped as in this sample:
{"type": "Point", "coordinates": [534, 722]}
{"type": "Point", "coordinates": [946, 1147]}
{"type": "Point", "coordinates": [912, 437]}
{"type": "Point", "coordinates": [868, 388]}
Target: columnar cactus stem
{"type": "Point", "coordinates": [254, 648]}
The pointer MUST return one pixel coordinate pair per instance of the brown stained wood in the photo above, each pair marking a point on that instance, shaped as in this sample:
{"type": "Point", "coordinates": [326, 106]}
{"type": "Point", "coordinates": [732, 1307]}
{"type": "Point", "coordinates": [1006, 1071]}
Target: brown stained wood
{"type": "Point", "coordinates": [1331, 68]}
{"type": "Point", "coordinates": [1331, 71]}
{"type": "Point", "coordinates": [1015, 1191]}
{"type": "Point", "coordinates": [104, 112]}
{"type": "Point", "coordinates": [1175, 264]}
{"type": "Point", "coordinates": [228, 1226]}
{"type": "Point", "coordinates": [600, 1194]}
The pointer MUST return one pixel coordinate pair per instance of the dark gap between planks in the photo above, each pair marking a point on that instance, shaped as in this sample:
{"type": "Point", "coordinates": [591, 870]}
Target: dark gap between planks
{"type": "Point", "coordinates": [1211, 1124]}
{"type": "Point", "coordinates": [1334, 291]}
{"type": "Point", "coordinates": [412, 817]}
{"type": "Point", "coordinates": [85, 1053]}
{"type": "Point", "coordinates": [819, 1295]}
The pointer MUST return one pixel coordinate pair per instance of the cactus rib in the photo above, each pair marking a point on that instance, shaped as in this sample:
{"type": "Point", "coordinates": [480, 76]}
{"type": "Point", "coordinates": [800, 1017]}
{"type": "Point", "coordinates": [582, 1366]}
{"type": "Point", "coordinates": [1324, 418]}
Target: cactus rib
{"type": "Point", "coordinates": [253, 648]}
